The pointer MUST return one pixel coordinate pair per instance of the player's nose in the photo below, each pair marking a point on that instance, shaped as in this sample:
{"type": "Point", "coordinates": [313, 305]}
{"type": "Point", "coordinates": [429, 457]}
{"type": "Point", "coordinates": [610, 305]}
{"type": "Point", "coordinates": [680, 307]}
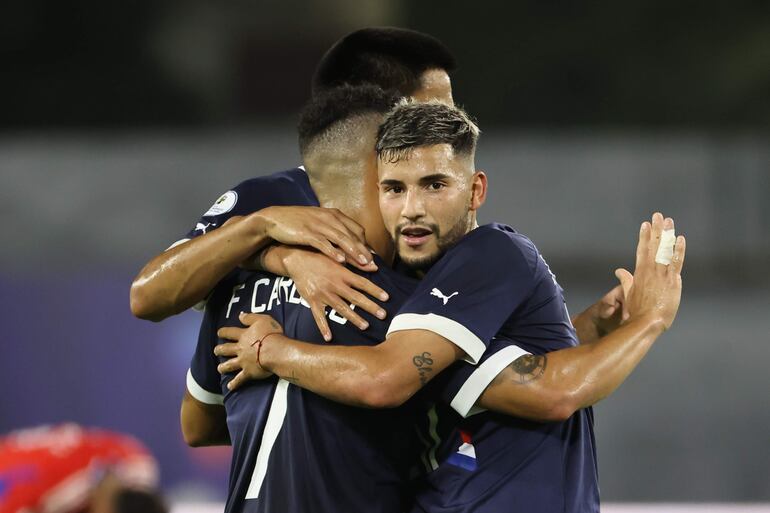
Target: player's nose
{"type": "Point", "coordinates": [414, 206]}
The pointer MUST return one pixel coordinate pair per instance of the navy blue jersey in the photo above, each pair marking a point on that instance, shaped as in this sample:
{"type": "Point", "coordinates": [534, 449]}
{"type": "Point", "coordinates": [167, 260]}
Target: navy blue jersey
{"type": "Point", "coordinates": [294, 450]}
{"type": "Point", "coordinates": [290, 187]}
{"type": "Point", "coordinates": [495, 283]}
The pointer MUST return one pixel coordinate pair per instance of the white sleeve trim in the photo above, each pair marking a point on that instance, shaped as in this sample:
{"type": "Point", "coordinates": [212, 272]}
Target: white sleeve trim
{"type": "Point", "coordinates": [177, 243]}
{"type": "Point", "coordinates": [477, 382]}
{"type": "Point", "coordinates": [199, 393]}
{"type": "Point", "coordinates": [451, 330]}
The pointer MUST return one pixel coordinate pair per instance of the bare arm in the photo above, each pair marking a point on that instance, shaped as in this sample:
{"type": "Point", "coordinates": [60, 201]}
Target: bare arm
{"type": "Point", "coordinates": [178, 278]}
{"type": "Point", "coordinates": [182, 276]}
{"type": "Point", "coordinates": [549, 387]}
{"type": "Point", "coordinates": [203, 424]}
{"type": "Point", "coordinates": [553, 386]}
{"type": "Point", "coordinates": [540, 387]}
{"type": "Point", "coordinates": [381, 376]}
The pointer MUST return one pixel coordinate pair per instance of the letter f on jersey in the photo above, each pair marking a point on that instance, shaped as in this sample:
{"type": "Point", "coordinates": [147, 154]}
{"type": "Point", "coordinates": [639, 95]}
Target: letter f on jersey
{"type": "Point", "coordinates": [436, 292]}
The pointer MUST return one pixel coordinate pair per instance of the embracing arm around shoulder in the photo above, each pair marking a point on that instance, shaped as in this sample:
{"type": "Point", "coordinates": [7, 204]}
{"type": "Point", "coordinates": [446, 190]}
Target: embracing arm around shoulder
{"type": "Point", "coordinates": [184, 275]}
{"type": "Point", "coordinates": [381, 376]}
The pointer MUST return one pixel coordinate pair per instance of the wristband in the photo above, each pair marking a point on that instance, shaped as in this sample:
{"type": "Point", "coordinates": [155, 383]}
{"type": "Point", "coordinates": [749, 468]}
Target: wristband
{"type": "Point", "coordinates": [259, 347]}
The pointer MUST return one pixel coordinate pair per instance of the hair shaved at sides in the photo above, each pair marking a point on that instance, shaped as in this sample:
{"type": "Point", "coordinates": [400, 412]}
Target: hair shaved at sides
{"type": "Point", "coordinates": [411, 125]}
{"type": "Point", "coordinates": [392, 58]}
{"type": "Point", "coordinates": [338, 113]}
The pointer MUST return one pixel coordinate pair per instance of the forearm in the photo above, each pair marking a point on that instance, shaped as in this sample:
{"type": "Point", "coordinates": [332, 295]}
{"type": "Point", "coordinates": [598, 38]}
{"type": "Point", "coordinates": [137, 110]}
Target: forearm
{"type": "Point", "coordinates": [570, 379]}
{"type": "Point", "coordinates": [586, 326]}
{"type": "Point", "coordinates": [381, 376]}
{"type": "Point", "coordinates": [353, 375]}
{"type": "Point", "coordinates": [182, 276]}
{"type": "Point", "coordinates": [273, 259]}
{"type": "Point", "coordinates": [202, 424]}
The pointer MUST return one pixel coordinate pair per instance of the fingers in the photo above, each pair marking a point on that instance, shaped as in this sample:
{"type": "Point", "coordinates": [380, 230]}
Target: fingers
{"type": "Point", "coordinates": [237, 381]}
{"type": "Point", "coordinates": [230, 365]}
{"type": "Point", "coordinates": [371, 267]}
{"type": "Point", "coordinates": [361, 301]}
{"type": "Point", "coordinates": [358, 235]}
{"type": "Point", "coordinates": [656, 233]}
{"type": "Point", "coordinates": [677, 262]}
{"type": "Point", "coordinates": [318, 309]}
{"type": "Point", "coordinates": [608, 311]}
{"type": "Point", "coordinates": [366, 286]}
{"type": "Point", "coordinates": [356, 229]}
{"type": "Point", "coordinates": [226, 349]}
{"type": "Point", "coordinates": [660, 249]}
{"type": "Point", "coordinates": [324, 246]}
{"type": "Point", "coordinates": [626, 280]}
{"type": "Point", "coordinates": [247, 319]}
{"type": "Point", "coordinates": [643, 248]}
{"type": "Point", "coordinates": [230, 333]}
{"type": "Point", "coordinates": [341, 237]}
{"type": "Point", "coordinates": [345, 311]}
{"type": "Point", "coordinates": [350, 241]}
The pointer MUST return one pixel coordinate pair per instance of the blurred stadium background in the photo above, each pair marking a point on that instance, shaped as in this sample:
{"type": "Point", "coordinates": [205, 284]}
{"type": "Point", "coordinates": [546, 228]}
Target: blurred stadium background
{"type": "Point", "coordinates": [120, 123]}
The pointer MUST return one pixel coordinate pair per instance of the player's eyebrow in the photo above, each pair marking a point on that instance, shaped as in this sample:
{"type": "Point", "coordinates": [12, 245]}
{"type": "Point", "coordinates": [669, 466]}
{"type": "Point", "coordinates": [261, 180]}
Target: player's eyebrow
{"type": "Point", "coordinates": [391, 182]}
{"type": "Point", "coordinates": [435, 177]}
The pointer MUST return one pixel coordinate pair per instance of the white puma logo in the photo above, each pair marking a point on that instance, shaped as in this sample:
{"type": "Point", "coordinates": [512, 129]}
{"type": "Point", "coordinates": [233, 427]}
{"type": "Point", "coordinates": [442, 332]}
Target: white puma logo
{"type": "Point", "coordinates": [439, 294]}
{"type": "Point", "coordinates": [202, 227]}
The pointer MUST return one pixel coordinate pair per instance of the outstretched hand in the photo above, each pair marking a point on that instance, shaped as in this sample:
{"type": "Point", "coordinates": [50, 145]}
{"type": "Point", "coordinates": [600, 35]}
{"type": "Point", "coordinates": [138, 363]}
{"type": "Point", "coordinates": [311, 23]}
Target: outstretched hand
{"type": "Point", "coordinates": [243, 352]}
{"type": "Point", "coordinates": [655, 289]}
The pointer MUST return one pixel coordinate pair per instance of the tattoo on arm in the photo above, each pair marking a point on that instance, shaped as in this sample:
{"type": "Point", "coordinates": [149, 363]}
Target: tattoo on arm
{"type": "Point", "coordinates": [423, 363]}
{"type": "Point", "coordinates": [528, 367]}
{"type": "Point", "coordinates": [524, 369]}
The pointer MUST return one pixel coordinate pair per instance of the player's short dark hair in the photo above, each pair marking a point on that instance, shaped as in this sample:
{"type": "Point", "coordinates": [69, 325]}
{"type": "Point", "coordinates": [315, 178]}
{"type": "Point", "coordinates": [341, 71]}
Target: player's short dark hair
{"type": "Point", "coordinates": [411, 125]}
{"type": "Point", "coordinates": [338, 104]}
{"type": "Point", "coordinates": [392, 58]}
{"type": "Point", "coordinates": [138, 501]}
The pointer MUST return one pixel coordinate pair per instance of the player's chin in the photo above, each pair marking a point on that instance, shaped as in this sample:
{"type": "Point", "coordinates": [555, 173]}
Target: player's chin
{"type": "Point", "coordinates": [418, 257]}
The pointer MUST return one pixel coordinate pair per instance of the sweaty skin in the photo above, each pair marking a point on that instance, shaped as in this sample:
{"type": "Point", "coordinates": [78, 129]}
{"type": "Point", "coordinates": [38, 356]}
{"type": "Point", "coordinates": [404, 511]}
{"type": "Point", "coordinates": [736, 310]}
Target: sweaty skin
{"type": "Point", "coordinates": [422, 199]}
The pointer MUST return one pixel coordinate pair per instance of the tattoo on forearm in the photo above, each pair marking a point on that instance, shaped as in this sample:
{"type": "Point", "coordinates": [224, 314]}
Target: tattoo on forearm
{"type": "Point", "coordinates": [423, 363]}
{"type": "Point", "coordinates": [528, 368]}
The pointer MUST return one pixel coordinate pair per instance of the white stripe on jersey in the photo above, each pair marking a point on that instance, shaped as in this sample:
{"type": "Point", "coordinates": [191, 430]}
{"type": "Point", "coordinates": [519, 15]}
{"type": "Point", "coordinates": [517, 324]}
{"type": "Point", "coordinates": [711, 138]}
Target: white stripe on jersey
{"type": "Point", "coordinates": [275, 417]}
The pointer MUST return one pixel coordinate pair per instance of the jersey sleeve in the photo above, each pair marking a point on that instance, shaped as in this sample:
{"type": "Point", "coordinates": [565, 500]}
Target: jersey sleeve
{"type": "Point", "coordinates": [242, 199]}
{"type": "Point", "coordinates": [203, 380]}
{"type": "Point", "coordinates": [463, 383]}
{"type": "Point", "coordinates": [467, 296]}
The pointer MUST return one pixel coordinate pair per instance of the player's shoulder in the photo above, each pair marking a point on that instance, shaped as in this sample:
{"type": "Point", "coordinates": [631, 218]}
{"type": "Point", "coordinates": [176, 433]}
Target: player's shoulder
{"type": "Point", "coordinates": [293, 179]}
{"type": "Point", "coordinates": [288, 187]}
{"type": "Point", "coordinates": [497, 241]}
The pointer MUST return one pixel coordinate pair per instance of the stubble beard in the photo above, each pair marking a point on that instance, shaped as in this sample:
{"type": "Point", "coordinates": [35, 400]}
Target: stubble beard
{"type": "Point", "coordinates": [443, 242]}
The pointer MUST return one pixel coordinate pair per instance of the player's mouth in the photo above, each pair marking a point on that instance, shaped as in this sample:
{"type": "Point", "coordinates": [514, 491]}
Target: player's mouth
{"type": "Point", "coordinates": [416, 235]}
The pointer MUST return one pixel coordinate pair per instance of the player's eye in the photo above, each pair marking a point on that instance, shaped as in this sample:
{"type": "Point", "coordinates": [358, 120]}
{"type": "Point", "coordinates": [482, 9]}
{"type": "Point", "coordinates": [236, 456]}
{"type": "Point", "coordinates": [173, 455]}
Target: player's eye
{"type": "Point", "coordinates": [395, 189]}
{"type": "Point", "coordinates": [436, 186]}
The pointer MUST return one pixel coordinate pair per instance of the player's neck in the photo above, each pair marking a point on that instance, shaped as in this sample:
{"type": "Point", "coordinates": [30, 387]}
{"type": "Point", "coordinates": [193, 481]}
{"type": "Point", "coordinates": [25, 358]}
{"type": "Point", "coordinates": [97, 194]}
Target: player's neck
{"type": "Point", "coordinates": [358, 200]}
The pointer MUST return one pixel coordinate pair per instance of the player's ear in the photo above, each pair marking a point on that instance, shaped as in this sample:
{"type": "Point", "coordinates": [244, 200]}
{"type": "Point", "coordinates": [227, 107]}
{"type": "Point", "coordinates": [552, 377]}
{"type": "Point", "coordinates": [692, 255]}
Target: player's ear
{"type": "Point", "coordinates": [479, 190]}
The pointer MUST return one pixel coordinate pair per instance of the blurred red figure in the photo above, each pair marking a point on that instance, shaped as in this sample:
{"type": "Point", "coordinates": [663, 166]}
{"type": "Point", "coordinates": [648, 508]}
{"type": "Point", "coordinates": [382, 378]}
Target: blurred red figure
{"type": "Point", "coordinates": [70, 469]}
